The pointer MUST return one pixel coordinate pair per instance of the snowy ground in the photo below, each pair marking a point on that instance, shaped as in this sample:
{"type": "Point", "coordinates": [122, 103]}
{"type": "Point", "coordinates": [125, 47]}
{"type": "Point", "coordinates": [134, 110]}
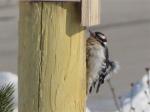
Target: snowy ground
{"type": "Point", "coordinates": [137, 100]}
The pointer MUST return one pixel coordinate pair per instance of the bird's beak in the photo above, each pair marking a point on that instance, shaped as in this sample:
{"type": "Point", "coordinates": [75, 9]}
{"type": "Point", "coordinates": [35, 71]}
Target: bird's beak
{"type": "Point", "coordinates": [91, 33]}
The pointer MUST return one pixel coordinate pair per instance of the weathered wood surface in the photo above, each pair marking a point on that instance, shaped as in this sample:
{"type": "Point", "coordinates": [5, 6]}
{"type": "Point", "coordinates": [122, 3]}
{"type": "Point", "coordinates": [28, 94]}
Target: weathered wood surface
{"type": "Point", "coordinates": [51, 58]}
{"type": "Point", "coordinates": [91, 12]}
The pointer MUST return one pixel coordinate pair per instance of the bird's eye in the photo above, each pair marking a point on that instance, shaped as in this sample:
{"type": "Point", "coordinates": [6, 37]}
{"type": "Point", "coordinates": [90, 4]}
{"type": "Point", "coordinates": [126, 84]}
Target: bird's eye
{"type": "Point", "coordinates": [99, 33]}
{"type": "Point", "coordinates": [101, 37]}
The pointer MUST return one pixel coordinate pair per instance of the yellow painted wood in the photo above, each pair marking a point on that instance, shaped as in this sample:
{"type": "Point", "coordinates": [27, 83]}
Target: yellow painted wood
{"type": "Point", "coordinates": [91, 12]}
{"type": "Point", "coordinates": [52, 70]}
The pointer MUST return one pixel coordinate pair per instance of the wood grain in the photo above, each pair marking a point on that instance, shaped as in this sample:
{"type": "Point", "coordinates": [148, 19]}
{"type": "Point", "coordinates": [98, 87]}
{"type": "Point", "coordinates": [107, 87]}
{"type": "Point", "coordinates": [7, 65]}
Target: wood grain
{"type": "Point", "coordinates": [29, 66]}
{"type": "Point", "coordinates": [52, 71]}
{"type": "Point", "coordinates": [90, 12]}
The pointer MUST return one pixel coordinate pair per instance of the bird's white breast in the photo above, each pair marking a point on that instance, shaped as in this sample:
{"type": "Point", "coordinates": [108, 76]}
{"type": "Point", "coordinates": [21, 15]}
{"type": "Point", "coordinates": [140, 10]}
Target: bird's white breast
{"type": "Point", "coordinates": [95, 61]}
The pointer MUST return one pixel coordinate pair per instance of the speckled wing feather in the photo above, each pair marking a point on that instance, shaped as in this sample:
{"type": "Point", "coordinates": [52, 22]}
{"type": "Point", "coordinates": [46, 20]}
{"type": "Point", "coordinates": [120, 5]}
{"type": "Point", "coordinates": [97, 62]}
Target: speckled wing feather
{"type": "Point", "coordinates": [90, 43]}
{"type": "Point", "coordinates": [94, 58]}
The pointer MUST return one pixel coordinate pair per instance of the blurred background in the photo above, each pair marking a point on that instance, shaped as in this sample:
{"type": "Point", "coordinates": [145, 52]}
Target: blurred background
{"type": "Point", "coordinates": [8, 35]}
{"type": "Point", "coordinates": [127, 26]}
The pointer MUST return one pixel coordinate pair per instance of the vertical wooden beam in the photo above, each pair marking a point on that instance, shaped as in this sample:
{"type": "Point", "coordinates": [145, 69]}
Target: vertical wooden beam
{"type": "Point", "coordinates": [51, 58]}
{"type": "Point", "coordinates": [91, 12]}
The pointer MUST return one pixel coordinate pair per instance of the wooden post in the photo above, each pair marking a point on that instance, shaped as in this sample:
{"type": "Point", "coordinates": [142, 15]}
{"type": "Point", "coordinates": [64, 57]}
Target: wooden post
{"type": "Point", "coordinates": [90, 12]}
{"type": "Point", "coordinates": [51, 58]}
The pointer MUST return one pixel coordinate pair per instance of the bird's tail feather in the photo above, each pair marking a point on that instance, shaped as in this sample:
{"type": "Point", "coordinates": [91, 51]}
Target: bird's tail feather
{"type": "Point", "coordinates": [114, 66]}
{"type": "Point", "coordinates": [112, 69]}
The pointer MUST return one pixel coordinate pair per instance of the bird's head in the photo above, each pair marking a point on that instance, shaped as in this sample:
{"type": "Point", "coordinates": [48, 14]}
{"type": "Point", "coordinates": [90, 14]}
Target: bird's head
{"type": "Point", "coordinates": [100, 37]}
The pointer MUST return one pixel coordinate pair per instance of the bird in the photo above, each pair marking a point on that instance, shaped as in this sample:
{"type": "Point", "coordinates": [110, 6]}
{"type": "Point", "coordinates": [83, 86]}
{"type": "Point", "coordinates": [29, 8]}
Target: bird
{"type": "Point", "coordinates": [99, 66]}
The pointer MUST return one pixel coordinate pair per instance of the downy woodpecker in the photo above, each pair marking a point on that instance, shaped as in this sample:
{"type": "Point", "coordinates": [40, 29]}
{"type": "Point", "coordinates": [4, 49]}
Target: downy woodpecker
{"type": "Point", "coordinates": [99, 66]}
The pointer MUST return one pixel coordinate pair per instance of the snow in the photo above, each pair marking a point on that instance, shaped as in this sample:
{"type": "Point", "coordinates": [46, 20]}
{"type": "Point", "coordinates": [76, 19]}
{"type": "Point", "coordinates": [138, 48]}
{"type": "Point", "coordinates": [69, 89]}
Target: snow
{"type": "Point", "coordinates": [7, 78]}
{"type": "Point", "coordinates": [87, 109]}
{"type": "Point", "coordinates": [138, 97]}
